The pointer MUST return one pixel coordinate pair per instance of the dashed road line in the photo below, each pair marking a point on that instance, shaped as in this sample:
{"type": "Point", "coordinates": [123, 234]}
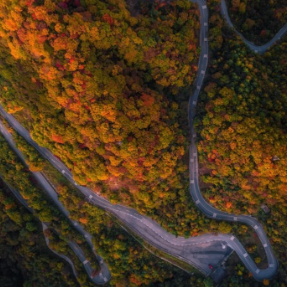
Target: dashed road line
{"type": "Point", "coordinates": [235, 218]}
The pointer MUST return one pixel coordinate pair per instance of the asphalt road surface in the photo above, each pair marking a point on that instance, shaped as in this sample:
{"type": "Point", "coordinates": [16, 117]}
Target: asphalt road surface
{"type": "Point", "coordinates": [197, 251]}
{"type": "Point", "coordinates": [44, 226]}
{"type": "Point", "coordinates": [206, 208]}
{"type": "Point", "coordinates": [190, 250]}
{"type": "Point", "coordinates": [105, 274]}
{"type": "Point", "coordinates": [256, 49]}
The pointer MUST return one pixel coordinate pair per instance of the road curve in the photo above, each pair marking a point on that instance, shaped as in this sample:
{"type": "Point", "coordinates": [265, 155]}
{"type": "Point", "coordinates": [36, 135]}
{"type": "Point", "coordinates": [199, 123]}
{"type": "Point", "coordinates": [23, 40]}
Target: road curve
{"type": "Point", "coordinates": [104, 276]}
{"type": "Point", "coordinates": [44, 227]}
{"type": "Point", "coordinates": [206, 208]}
{"type": "Point", "coordinates": [252, 46]}
{"type": "Point", "coordinates": [186, 249]}
{"type": "Point", "coordinates": [98, 279]}
{"type": "Point", "coordinates": [141, 225]}
{"type": "Point", "coordinates": [192, 250]}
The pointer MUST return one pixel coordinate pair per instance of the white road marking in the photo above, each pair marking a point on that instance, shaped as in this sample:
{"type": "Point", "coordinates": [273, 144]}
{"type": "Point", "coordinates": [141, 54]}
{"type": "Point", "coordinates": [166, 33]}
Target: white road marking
{"type": "Point", "coordinates": [198, 201]}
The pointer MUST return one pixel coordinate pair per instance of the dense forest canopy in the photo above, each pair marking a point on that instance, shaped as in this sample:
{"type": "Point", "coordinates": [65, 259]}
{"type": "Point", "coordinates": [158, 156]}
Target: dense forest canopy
{"type": "Point", "coordinates": [242, 125]}
{"type": "Point", "coordinates": [25, 260]}
{"type": "Point", "coordinates": [98, 87]}
{"type": "Point", "coordinates": [101, 87]}
{"type": "Point", "coordinates": [128, 261]}
{"type": "Point", "coordinates": [258, 20]}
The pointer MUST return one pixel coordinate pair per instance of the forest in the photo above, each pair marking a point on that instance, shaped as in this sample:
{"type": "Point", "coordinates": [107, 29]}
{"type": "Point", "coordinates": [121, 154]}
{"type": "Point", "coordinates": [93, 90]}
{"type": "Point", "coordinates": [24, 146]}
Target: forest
{"type": "Point", "coordinates": [190, 221]}
{"type": "Point", "coordinates": [128, 261]}
{"type": "Point", "coordinates": [99, 87]}
{"type": "Point", "coordinates": [104, 87]}
{"type": "Point", "coordinates": [258, 20]}
{"type": "Point", "coordinates": [126, 136]}
{"type": "Point", "coordinates": [25, 257]}
{"type": "Point", "coordinates": [241, 121]}
{"type": "Point", "coordinates": [89, 217]}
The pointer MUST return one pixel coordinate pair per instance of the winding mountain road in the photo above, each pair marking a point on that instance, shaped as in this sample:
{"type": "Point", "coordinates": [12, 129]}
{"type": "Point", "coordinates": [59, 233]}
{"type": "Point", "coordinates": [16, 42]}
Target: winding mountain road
{"type": "Point", "coordinates": [252, 46]}
{"type": "Point", "coordinates": [99, 279]}
{"type": "Point", "coordinates": [197, 251]}
{"type": "Point", "coordinates": [104, 274]}
{"type": "Point", "coordinates": [44, 227]}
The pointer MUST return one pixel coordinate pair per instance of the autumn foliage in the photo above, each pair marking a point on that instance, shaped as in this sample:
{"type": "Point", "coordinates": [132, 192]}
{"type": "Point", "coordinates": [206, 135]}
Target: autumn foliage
{"type": "Point", "coordinates": [100, 87]}
{"type": "Point", "coordinates": [241, 123]}
{"type": "Point", "coordinates": [258, 20]}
